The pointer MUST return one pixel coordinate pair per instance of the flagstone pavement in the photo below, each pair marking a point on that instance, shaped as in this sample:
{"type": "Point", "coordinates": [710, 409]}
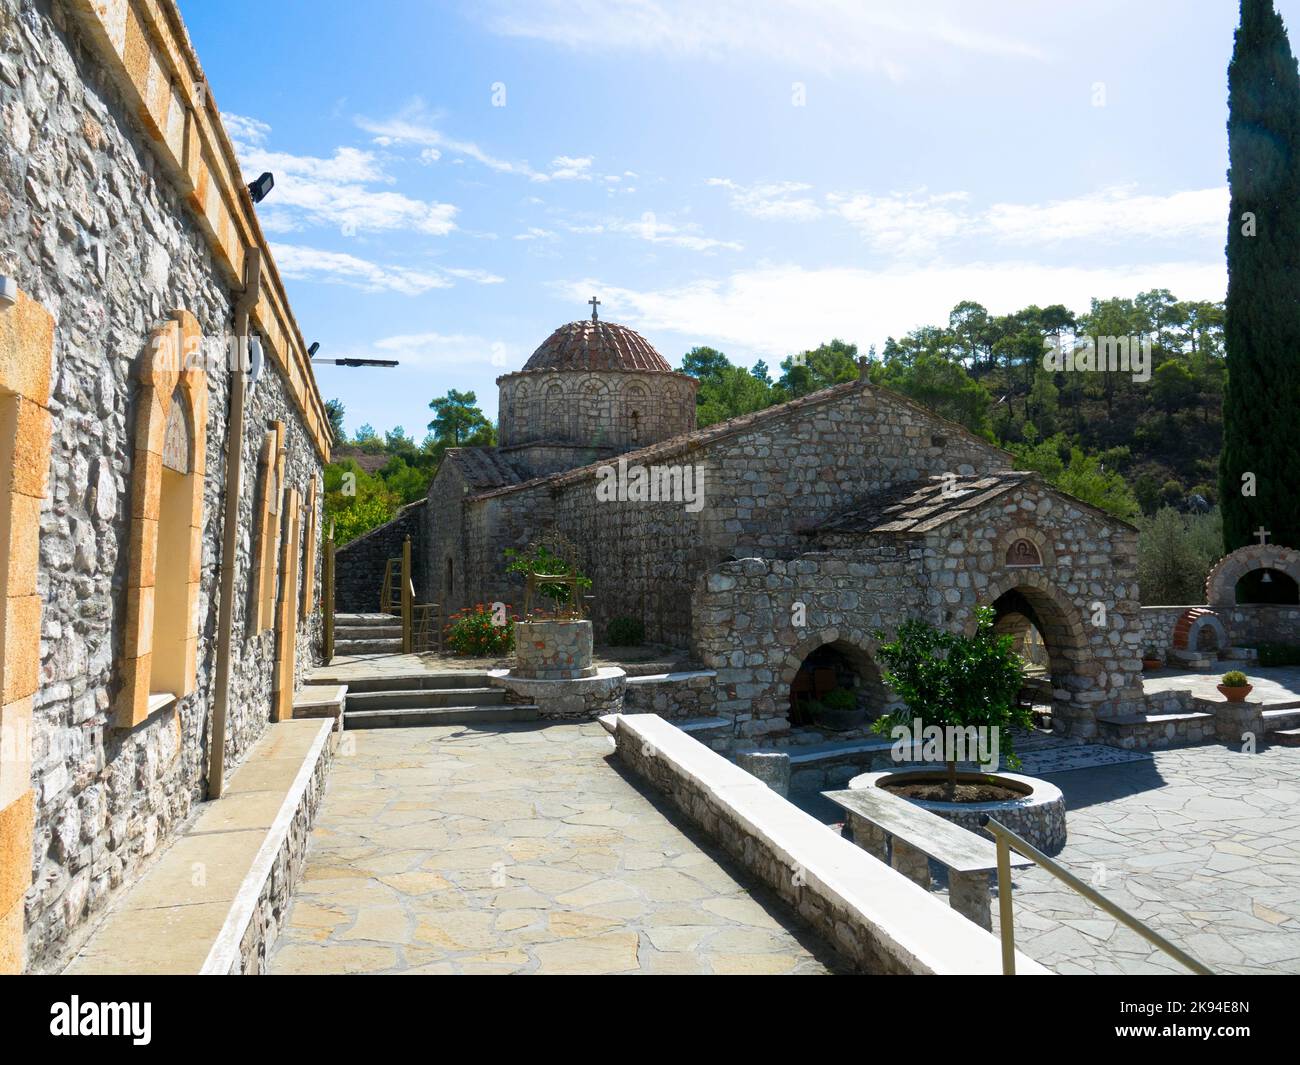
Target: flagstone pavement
{"type": "Point", "coordinates": [522, 849]}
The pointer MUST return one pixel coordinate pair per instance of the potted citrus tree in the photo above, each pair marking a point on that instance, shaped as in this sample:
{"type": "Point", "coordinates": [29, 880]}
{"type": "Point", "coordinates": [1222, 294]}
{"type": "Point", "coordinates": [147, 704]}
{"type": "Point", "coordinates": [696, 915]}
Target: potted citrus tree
{"type": "Point", "coordinates": [1235, 686]}
{"type": "Point", "coordinates": [955, 682]}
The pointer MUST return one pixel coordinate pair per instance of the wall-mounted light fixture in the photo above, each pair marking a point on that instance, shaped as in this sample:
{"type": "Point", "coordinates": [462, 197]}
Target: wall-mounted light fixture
{"type": "Point", "coordinates": [8, 291]}
{"type": "Point", "coordinates": [259, 188]}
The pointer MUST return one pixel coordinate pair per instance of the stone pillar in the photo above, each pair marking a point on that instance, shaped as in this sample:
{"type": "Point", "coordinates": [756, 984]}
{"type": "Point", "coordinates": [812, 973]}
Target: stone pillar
{"type": "Point", "coordinates": [771, 767]}
{"type": "Point", "coordinates": [1233, 720]}
{"type": "Point", "coordinates": [968, 894]}
{"type": "Point", "coordinates": [871, 838]}
{"type": "Point", "coordinates": [911, 862]}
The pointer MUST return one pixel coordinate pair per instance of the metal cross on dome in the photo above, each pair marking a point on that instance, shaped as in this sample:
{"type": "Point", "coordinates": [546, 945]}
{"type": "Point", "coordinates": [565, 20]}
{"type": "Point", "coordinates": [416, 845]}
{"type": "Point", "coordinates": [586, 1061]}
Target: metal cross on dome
{"type": "Point", "coordinates": [594, 304]}
{"type": "Point", "coordinates": [1263, 534]}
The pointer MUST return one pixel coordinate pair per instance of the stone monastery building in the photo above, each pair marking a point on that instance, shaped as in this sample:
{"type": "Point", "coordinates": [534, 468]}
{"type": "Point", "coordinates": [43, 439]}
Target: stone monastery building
{"type": "Point", "coordinates": [819, 521]}
{"type": "Point", "coordinates": [159, 513]}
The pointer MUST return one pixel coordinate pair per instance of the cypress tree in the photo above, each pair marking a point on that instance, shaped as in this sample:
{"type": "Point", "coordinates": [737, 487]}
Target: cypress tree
{"type": "Point", "coordinates": [1261, 405]}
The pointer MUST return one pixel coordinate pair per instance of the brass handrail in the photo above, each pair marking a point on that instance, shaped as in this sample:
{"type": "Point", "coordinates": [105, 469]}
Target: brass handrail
{"type": "Point", "coordinates": [1007, 841]}
{"type": "Point", "coordinates": [389, 594]}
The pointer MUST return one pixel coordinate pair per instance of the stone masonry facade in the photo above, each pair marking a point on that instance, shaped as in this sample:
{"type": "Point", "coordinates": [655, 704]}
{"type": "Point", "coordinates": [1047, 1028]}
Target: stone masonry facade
{"type": "Point", "coordinates": [95, 227]}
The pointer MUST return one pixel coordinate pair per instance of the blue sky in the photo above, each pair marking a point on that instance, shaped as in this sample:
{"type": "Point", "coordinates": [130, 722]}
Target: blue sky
{"type": "Point", "coordinates": [453, 181]}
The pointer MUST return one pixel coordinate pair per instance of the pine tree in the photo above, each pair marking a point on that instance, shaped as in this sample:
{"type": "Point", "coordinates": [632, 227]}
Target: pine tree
{"type": "Point", "coordinates": [1261, 433]}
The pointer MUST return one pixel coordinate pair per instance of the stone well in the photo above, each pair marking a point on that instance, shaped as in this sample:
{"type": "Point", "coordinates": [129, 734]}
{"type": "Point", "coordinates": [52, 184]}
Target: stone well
{"type": "Point", "coordinates": [553, 670]}
{"type": "Point", "coordinates": [1039, 816]}
{"type": "Point", "coordinates": [558, 649]}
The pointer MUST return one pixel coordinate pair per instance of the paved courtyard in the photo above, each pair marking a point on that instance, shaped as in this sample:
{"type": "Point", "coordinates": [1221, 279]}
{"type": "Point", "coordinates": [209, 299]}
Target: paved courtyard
{"type": "Point", "coordinates": [522, 849]}
{"type": "Point", "coordinates": [1273, 684]}
{"type": "Point", "coordinates": [1202, 843]}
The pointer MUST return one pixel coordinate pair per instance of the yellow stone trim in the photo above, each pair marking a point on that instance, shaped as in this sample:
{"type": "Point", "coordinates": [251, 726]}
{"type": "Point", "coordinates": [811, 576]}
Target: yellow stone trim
{"type": "Point", "coordinates": [169, 362]}
{"type": "Point", "coordinates": [145, 48]}
{"type": "Point", "coordinates": [26, 355]}
{"type": "Point", "coordinates": [286, 637]}
{"type": "Point", "coordinates": [309, 563]}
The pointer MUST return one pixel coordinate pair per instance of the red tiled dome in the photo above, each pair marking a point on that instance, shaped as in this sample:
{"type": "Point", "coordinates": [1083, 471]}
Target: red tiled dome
{"type": "Point", "coordinates": [588, 345]}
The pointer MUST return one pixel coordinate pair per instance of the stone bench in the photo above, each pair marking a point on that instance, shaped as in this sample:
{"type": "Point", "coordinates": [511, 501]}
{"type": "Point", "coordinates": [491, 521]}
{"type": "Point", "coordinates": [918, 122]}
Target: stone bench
{"type": "Point", "coordinates": [883, 823]}
{"type": "Point", "coordinates": [214, 901]}
{"type": "Point", "coordinates": [876, 917]}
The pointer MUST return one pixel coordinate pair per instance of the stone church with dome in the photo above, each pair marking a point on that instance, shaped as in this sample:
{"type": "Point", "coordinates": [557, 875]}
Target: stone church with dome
{"type": "Point", "coordinates": [820, 521]}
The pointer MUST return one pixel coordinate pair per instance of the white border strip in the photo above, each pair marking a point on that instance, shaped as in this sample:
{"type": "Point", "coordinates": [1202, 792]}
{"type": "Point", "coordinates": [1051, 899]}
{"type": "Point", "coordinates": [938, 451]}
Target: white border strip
{"type": "Point", "coordinates": [226, 947]}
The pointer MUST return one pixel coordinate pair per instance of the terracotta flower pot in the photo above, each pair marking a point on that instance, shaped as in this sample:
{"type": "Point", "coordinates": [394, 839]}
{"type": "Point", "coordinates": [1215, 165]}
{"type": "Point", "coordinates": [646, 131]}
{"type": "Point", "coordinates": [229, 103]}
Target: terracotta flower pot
{"type": "Point", "coordinates": [1151, 663]}
{"type": "Point", "coordinates": [1236, 695]}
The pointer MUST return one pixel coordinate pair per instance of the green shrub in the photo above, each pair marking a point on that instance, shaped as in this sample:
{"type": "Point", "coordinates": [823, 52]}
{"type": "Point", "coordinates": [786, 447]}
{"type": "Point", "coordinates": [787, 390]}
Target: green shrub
{"type": "Point", "coordinates": [1278, 654]}
{"type": "Point", "coordinates": [471, 632]}
{"type": "Point", "coordinates": [1235, 678]}
{"type": "Point", "coordinates": [625, 632]}
{"type": "Point", "coordinates": [840, 699]}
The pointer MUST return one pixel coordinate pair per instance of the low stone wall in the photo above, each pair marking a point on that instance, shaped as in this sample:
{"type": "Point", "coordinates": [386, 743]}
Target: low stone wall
{"type": "Point", "coordinates": [359, 566]}
{"type": "Point", "coordinates": [875, 917]}
{"type": "Point", "coordinates": [673, 695]}
{"type": "Point", "coordinates": [1251, 624]}
{"type": "Point", "coordinates": [1157, 624]}
{"type": "Point", "coordinates": [255, 918]}
{"type": "Point", "coordinates": [583, 698]}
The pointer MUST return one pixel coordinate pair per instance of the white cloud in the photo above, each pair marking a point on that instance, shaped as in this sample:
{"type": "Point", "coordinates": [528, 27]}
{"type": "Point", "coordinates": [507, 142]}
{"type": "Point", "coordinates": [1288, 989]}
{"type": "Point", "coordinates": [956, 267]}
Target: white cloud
{"type": "Point", "coordinates": [339, 268]}
{"type": "Point", "coordinates": [777, 200]}
{"type": "Point", "coordinates": [414, 126]}
{"type": "Point", "coordinates": [450, 351]}
{"type": "Point", "coordinates": [887, 36]}
{"type": "Point", "coordinates": [535, 233]}
{"type": "Point", "coordinates": [919, 223]}
{"type": "Point", "coordinates": [656, 231]}
{"type": "Point", "coordinates": [338, 192]}
{"type": "Point", "coordinates": [772, 311]}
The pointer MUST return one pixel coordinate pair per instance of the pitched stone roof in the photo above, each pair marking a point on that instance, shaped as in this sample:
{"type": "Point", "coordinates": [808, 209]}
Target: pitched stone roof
{"type": "Point", "coordinates": [588, 345]}
{"type": "Point", "coordinates": [688, 442]}
{"type": "Point", "coordinates": [918, 507]}
{"type": "Point", "coordinates": [483, 468]}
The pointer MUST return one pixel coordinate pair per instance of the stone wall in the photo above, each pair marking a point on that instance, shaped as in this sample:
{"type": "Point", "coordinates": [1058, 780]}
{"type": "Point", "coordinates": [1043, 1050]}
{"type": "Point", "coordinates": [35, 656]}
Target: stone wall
{"type": "Point", "coordinates": [765, 476]}
{"type": "Point", "coordinates": [747, 612]}
{"type": "Point", "coordinates": [1085, 594]}
{"type": "Point", "coordinates": [359, 565]}
{"type": "Point", "coordinates": [91, 227]}
{"type": "Point", "coordinates": [1248, 624]}
{"type": "Point", "coordinates": [616, 409]}
{"type": "Point", "coordinates": [747, 628]}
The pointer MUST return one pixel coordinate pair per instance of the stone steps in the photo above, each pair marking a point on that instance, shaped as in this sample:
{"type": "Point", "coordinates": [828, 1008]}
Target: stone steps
{"type": "Point", "coordinates": [1286, 737]}
{"type": "Point", "coordinates": [368, 647]}
{"type": "Point", "coordinates": [403, 681]}
{"type": "Point", "coordinates": [405, 699]}
{"type": "Point", "coordinates": [426, 716]}
{"type": "Point", "coordinates": [1282, 725]}
{"type": "Point", "coordinates": [1193, 659]}
{"type": "Point", "coordinates": [368, 632]}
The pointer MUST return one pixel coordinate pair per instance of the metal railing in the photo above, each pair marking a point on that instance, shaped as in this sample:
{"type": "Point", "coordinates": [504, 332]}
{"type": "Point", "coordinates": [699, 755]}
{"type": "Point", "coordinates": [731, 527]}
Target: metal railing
{"type": "Point", "coordinates": [390, 601]}
{"type": "Point", "coordinates": [1007, 841]}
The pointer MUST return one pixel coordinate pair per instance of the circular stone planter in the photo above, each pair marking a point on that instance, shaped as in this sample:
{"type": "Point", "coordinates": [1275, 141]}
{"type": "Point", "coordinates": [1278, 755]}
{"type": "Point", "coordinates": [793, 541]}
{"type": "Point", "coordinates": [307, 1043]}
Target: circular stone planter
{"type": "Point", "coordinates": [1038, 816]}
{"type": "Point", "coordinates": [553, 649]}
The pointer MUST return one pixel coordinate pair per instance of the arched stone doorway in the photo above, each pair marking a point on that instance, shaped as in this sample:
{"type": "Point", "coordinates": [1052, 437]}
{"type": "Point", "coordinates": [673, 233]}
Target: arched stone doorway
{"type": "Point", "coordinates": [826, 663]}
{"type": "Point", "coordinates": [1240, 577]}
{"type": "Point", "coordinates": [1051, 637]}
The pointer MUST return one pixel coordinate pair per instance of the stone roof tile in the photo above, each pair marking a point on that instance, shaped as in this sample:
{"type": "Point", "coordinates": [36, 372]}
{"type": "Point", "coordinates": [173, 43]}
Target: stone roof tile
{"type": "Point", "coordinates": [588, 345]}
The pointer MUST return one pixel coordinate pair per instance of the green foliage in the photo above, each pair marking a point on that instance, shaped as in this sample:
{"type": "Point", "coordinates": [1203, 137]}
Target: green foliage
{"type": "Point", "coordinates": [1261, 431]}
{"type": "Point", "coordinates": [948, 679]}
{"type": "Point", "coordinates": [940, 384]}
{"type": "Point", "coordinates": [1175, 554]}
{"type": "Point", "coordinates": [725, 391]}
{"type": "Point", "coordinates": [456, 417]}
{"type": "Point", "coordinates": [1278, 654]}
{"type": "Point", "coordinates": [1234, 678]}
{"type": "Point", "coordinates": [538, 558]}
{"type": "Point", "coordinates": [334, 410]}
{"type": "Point", "coordinates": [824, 366]}
{"type": "Point", "coordinates": [369, 504]}
{"type": "Point", "coordinates": [1085, 477]}
{"type": "Point", "coordinates": [625, 632]}
{"type": "Point", "coordinates": [472, 632]}
{"type": "Point", "coordinates": [840, 699]}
